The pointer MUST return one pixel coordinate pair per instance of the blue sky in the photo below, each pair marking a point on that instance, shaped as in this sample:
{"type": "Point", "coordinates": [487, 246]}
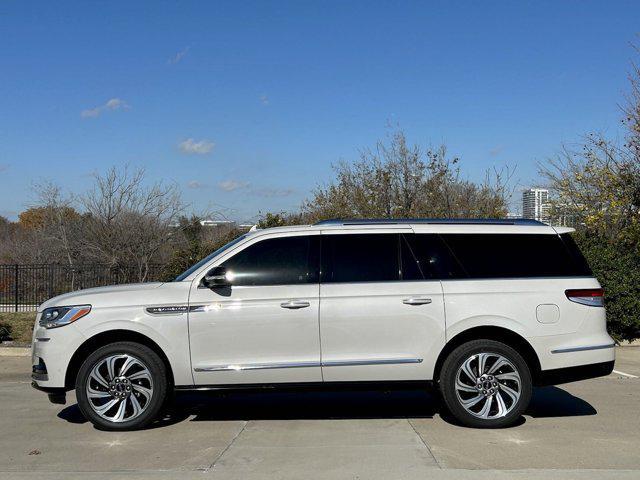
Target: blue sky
{"type": "Point", "coordinates": [247, 104]}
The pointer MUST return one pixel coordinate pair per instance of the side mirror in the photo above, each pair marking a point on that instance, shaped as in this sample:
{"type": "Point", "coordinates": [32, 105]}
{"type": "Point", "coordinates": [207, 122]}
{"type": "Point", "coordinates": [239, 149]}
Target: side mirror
{"type": "Point", "coordinates": [216, 278]}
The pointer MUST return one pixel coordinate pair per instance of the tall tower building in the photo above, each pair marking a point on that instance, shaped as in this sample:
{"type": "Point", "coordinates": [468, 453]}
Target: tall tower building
{"type": "Point", "coordinates": [535, 204]}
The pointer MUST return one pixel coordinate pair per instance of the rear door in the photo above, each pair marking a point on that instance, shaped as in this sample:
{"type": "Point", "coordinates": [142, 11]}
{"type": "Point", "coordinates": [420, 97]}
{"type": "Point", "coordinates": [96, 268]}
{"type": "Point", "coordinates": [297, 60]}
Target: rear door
{"type": "Point", "coordinates": [380, 319]}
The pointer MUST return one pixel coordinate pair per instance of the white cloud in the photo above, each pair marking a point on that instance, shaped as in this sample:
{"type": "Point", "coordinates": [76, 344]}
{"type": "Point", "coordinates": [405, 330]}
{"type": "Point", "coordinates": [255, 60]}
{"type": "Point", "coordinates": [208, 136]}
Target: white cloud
{"type": "Point", "coordinates": [494, 152]}
{"type": "Point", "coordinates": [196, 184]}
{"type": "Point", "coordinates": [231, 185]}
{"type": "Point", "coordinates": [178, 56]}
{"type": "Point", "coordinates": [192, 147]}
{"type": "Point", "coordinates": [264, 100]}
{"type": "Point", "coordinates": [111, 105]}
{"type": "Point", "coordinates": [272, 192]}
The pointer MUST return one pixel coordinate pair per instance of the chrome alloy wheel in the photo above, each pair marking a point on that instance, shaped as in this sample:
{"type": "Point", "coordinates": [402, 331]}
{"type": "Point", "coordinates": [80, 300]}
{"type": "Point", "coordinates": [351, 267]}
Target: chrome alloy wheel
{"type": "Point", "coordinates": [119, 388]}
{"type": "Point", "coordinates": [488, 385]}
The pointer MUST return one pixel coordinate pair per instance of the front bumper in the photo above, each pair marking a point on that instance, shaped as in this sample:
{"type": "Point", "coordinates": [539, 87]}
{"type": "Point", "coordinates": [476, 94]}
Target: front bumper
{"type": "Point", "coordinates": [51, 354]}
{"type": "Point", "coordinates": [56, 395]}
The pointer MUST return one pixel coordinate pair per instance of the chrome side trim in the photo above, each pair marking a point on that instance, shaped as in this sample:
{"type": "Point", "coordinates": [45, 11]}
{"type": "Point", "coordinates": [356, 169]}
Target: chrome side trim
{"type": "Point", "coordinates": [582, 349]}
{"type": "Point", "coordinates": [255, 366]}
{"type": "Point", "coordinates": [382, 361]}
{"type": "Point", "coordinates": [336, 363]}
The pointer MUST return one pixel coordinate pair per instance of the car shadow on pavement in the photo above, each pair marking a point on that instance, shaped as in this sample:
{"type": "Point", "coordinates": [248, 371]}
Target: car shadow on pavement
{"type": "Point", "coordinates": [556, 402]}
{"type": "Point", "coordinates": [313, 405]}
{"type": "Point", "coordinates": [336, 404]}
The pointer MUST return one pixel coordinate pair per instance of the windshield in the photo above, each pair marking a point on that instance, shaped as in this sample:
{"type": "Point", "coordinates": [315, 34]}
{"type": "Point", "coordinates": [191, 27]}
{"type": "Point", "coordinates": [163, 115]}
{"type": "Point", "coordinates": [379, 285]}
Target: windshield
{"type": "Point", "coordinates": [208, 258]}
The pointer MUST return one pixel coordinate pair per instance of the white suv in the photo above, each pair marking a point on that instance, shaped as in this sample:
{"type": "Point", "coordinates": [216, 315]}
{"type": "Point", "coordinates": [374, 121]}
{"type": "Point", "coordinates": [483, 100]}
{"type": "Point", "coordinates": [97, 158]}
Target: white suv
{"type": "Point", "coordinates": [483, 309]}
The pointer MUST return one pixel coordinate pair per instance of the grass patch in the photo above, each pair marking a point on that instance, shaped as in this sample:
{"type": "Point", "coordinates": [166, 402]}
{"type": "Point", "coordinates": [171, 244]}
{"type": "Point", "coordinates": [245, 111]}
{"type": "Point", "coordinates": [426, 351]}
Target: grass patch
{"type": "Point", "coordinates": [17, 326]}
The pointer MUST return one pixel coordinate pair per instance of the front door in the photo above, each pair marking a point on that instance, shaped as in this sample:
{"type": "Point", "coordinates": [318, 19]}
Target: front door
{"type": "Point", "coordinates": [264, 327]}
{"type": "Point", "coordinates": [380, 317]}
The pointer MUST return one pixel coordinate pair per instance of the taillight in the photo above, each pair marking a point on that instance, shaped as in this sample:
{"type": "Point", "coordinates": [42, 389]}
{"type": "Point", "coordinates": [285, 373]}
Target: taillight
{"type": "Point", "coordinates": [594, 297]}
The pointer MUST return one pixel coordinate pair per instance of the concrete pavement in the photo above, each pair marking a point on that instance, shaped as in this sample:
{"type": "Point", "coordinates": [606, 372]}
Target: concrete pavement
{"type": "Point", "coordinates": [584, 430]}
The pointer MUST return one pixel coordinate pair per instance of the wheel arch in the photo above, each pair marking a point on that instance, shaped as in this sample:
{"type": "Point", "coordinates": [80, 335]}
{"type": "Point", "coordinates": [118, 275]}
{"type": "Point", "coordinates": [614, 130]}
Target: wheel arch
{"type": "Point", "coordinates": [500, 334]}
{"type": "Point", "coordinates": [105, 338]}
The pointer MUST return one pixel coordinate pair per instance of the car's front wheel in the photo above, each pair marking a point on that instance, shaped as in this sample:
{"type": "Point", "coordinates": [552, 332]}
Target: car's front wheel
{"type": "Point", "coordinates": [485, 384]}
{"type": "Point", "coordinates": [121, 386]}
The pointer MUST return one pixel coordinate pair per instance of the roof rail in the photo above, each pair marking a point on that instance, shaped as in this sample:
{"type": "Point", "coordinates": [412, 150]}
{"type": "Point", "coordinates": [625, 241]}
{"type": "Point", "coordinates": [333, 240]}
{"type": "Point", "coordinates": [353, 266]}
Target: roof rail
{"type": "Point", "coordinates": [437, 221]}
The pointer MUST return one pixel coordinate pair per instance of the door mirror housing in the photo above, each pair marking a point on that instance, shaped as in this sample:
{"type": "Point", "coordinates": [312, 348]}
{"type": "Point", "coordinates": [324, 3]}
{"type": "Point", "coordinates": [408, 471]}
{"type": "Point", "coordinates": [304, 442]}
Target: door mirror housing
{"type": "Point", "coordinates": [216, 278]}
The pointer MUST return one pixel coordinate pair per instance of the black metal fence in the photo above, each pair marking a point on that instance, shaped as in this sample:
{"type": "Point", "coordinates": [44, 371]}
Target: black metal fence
{"type": "Point", "coordinates": [24, 287]}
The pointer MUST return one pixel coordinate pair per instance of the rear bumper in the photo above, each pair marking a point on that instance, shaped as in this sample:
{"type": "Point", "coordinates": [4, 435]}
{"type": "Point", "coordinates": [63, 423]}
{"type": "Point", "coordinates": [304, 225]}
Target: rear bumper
{"type": "Point", "coordinates": [573, 374]}
{"type": "Point", "coordinates": [573, 350]}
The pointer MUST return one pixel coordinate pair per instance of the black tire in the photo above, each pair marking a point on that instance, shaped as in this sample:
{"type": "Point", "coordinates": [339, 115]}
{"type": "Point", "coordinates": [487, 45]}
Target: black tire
{"type": "Point", "coordinates": [453, 399]}
{"type": "Point", "coordinates": [151, 407]}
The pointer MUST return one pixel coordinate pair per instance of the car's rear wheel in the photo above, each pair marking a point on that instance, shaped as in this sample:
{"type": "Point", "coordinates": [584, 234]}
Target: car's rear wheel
{"type": "Point", "coordinates": [485, 384]}
{"type": "Point", "coordinates": [121, 386]}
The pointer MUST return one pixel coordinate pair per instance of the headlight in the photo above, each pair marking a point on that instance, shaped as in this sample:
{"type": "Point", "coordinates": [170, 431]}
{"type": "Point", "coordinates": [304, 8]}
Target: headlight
{"type": "Point", "coordinates": [58, 316]}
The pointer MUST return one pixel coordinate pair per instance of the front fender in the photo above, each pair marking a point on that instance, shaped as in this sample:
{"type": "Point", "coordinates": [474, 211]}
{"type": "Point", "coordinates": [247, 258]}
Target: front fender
{"type": "Point", "coordinates": [169, 332]}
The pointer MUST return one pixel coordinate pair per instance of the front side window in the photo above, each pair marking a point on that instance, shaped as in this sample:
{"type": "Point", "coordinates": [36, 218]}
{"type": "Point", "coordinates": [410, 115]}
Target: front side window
{"type": "Point", "coordinates": [275, 261]}
{"type": "Point", "coordinates": [360, 258]}
{"type": "Point", "coordinates": [208, 258]}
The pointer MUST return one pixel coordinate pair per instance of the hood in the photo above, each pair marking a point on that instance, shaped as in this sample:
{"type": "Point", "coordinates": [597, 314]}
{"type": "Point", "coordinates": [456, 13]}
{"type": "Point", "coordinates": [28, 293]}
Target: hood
{"type": "Point", "coordinates": [100, 295]}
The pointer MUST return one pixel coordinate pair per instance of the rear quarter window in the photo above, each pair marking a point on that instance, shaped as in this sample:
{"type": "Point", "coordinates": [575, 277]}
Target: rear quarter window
{"type": "Point", "coordinates": [581, 264]}
{"type": "Point", "coordinates": [516, 255]}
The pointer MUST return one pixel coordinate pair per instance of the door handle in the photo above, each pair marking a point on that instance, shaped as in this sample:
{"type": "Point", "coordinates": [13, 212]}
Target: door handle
{"type": "Point", "coordinates": [295, 304]}
{"type": "Point", "coordinates": [416, 301]}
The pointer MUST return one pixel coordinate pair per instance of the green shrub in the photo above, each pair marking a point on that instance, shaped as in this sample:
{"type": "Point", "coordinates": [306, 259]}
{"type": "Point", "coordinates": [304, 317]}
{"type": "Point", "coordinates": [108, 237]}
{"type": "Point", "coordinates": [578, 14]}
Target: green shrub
{"type": "Point", "coordinates": [616, 265]}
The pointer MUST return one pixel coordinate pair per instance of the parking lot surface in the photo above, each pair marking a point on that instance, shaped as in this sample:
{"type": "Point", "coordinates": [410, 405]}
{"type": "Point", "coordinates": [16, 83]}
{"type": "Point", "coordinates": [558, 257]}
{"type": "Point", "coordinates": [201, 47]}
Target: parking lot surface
{"type": "Point", "coordinates": [588, 429]}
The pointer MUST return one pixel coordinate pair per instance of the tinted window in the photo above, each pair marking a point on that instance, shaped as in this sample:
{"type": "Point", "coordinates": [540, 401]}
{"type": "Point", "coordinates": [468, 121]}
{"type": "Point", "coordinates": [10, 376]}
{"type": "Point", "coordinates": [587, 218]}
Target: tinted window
{"type": "Point", "coordinates": [427, 256]}
{"type": "Point", "coordinates": [277, 261]}
{"type": "Point", "coordinates": [515, 255]}
{"type": "Point", "coordinates": [360, 258]}
{"type": "Point", "coordinates": [582, 267]}
{"type": "Point", "coordinates": [208, 258]}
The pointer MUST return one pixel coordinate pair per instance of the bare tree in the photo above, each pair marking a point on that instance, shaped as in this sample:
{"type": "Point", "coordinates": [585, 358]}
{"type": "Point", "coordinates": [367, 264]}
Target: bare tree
{"type": "Point", "coordinates": [631, 110]}
{"type": "Point", "coordinates": [598, 182]}
{"type": "Point", "coordinates": [63, 224]}
{"type": "Point", "coordinates": [129, 222]}
{"type": "Point", "coordinates": [402, 180]}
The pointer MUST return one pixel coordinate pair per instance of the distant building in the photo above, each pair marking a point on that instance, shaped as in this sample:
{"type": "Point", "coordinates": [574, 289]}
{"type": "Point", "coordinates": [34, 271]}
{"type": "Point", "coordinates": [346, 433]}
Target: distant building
{"type": "Point", "coordinates": [535, 204]}
{"type": "Point", "coordinates": [563, 215]}
{"type": "Point", "coordinates": [226, 224]}
{"type": "Point", "coordinates": [217, 223]}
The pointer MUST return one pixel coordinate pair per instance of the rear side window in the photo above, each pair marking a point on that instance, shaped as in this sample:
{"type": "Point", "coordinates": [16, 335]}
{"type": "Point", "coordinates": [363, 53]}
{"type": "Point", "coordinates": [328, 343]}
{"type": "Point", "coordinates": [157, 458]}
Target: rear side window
{"type": "Point", "coordinates": [360, 258]}
{"type": "Point", "coordinates": [276, 261]}
{"type": "Point", "coordinates": [513, 255]}
{"type": "Point", "coordinates": [426, 256]}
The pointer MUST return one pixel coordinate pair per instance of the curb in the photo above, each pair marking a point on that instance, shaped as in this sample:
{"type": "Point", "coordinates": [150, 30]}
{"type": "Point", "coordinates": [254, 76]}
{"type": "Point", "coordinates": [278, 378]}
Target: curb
{"type": "Point", "coordinates": [15, 351]}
